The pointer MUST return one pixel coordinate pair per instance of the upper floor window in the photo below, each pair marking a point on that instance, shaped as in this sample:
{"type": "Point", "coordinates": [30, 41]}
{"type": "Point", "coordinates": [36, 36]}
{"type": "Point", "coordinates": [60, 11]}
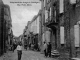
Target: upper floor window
{"type": "Point", "coordinates": [73, 1]}
{"type": "Point", "coordinates": [6, 11]}
{"type": "Point", "coordinates": [48, 1]}
{"type": "Point", "coordinates": [46, 15]}
{"type": "Point", "coordinates": [44, 3]}
{"type": "Point", "coordinates": [61, 6]}
{"type": "Point", "coordinates": [50, 13]}
{"type": "Point", "coordinates": [77, 1]}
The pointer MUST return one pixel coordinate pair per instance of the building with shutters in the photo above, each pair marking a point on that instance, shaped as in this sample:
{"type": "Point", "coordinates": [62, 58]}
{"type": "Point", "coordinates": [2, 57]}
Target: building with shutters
{"type": "Point", "coordinates": [45, 31]}
{"type": "Point", "coordinates": [50, 20]}
{"type": "Point", "coordinates": [5, 27]}
{"type": "Point", "coordinates": [7, 18]}
{"type": "Point", "coordinates": [33, 30]}
{"type": "Point", "coordinates": [61, 19]}
{"type": "Point", "coordinates": [72, 26]}
{"type": "Point", "coordinates": [1, 27]}
{"type": "Point", "coordinates": [69, 26]}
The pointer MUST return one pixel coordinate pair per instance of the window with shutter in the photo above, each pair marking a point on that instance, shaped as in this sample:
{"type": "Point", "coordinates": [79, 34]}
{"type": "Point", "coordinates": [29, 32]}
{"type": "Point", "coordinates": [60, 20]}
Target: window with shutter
{"type": "Point", "coordinates": [73, 1]}
{"type": "Point", "coordinates": [62, 35]}
{"type": "Point", "coordinates": [50, 13]}
{"type": "Point", "coordinates": [61, 6]}
{"type": "Point", "coordinates": [76, 35]}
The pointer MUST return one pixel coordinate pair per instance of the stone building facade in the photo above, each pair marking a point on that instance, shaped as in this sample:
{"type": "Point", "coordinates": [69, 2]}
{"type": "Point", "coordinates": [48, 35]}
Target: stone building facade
{"type": "Point", "coordinates": [5, 27]}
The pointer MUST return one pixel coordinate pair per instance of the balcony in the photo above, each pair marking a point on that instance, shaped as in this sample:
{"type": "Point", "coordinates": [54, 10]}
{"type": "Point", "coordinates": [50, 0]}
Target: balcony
{"type": "Point", "coordinates": [48, 5]}
{"type": "Point", "coordinates": [50, 22]}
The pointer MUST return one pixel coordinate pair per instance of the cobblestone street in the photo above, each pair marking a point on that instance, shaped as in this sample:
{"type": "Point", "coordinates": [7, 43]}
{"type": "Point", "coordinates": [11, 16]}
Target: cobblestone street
{"type": "Point", "coordinates": [26, 55]}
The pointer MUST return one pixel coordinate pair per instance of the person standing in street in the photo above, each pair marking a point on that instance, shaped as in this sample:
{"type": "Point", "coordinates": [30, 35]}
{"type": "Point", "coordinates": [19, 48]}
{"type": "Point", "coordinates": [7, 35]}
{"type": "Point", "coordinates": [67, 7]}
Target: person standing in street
{"type": "Point", "coordinates": [49, 49]}
{"type": "Point", "coordinates": [19, 50]}
{"type": "Point", "coordinates": [13, 47]}
{"type": "Point", "coordinates": [29, 46]}
{"type": "Point", "coordinates": [45, 49]}
{"type": "Point", "coordinates": [38, 46]}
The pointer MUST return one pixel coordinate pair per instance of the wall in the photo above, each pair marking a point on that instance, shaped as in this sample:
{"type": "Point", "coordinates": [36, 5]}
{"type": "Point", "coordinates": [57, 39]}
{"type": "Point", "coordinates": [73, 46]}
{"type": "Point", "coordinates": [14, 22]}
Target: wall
{"type": "Point", "coordinates": [71, 17]}
{"type": "Point", "coordinates": [3, 27]}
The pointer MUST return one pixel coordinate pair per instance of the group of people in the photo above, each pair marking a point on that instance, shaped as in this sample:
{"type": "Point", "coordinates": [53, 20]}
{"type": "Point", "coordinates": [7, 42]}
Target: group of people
{"type": "Point", "coordinates": [34, 47]}
{"type": "Point", "coordinates": [14, 46]}
{"type": "Point", "coordinates": [47, 49]}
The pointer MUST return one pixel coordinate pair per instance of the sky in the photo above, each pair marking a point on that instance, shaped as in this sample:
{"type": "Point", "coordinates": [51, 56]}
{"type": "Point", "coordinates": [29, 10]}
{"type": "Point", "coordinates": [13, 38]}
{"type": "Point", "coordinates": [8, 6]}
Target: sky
{"type": "Point", "coordinates": [22, 12]}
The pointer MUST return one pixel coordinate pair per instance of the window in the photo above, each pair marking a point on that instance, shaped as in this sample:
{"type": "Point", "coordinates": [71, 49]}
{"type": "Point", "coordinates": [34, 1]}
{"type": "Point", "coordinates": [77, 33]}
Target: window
{"type": "Point", "coordinates": [62, 35]}
{"type": "Point", "coordinates": [61, 6]}
{"type": "Point", "coordinates": [55, 15]}
{"type": "Point", "coordinates": [50, 13]}
{"type": "Point", "coordinates": [76, 35]}
{"type": "Point", "coordinates": [48, 1]}
{"type": "Point", "coordinates": [6, 11]}
{"type": "Point", "coordinates": [77, 1]}
{"type": "Point", "coordinates": [44, 3]}
{"type": "Point", "coordinates": [46, 15]}
{"type": "Point", "coordinates": [73, 1]}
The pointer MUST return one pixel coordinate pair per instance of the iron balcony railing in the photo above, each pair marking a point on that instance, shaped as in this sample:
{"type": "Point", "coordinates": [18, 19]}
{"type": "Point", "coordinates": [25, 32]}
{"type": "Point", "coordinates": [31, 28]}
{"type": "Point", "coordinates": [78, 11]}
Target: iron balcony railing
{"type": "Point", "coordinates": [50, 20]}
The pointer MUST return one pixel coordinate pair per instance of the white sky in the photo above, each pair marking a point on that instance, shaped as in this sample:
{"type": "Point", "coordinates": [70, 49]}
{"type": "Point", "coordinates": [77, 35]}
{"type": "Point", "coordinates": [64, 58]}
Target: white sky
{"type": "Point", "coordinates": [22, 14]}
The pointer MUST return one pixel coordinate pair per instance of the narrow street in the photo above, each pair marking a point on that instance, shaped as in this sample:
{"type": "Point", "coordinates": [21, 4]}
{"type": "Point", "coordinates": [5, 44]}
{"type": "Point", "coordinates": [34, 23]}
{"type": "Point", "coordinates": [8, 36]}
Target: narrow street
{"type": "Point", "coordinates": [26, 55]}
{"type": "Point", "coordinates": [51, 27]}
